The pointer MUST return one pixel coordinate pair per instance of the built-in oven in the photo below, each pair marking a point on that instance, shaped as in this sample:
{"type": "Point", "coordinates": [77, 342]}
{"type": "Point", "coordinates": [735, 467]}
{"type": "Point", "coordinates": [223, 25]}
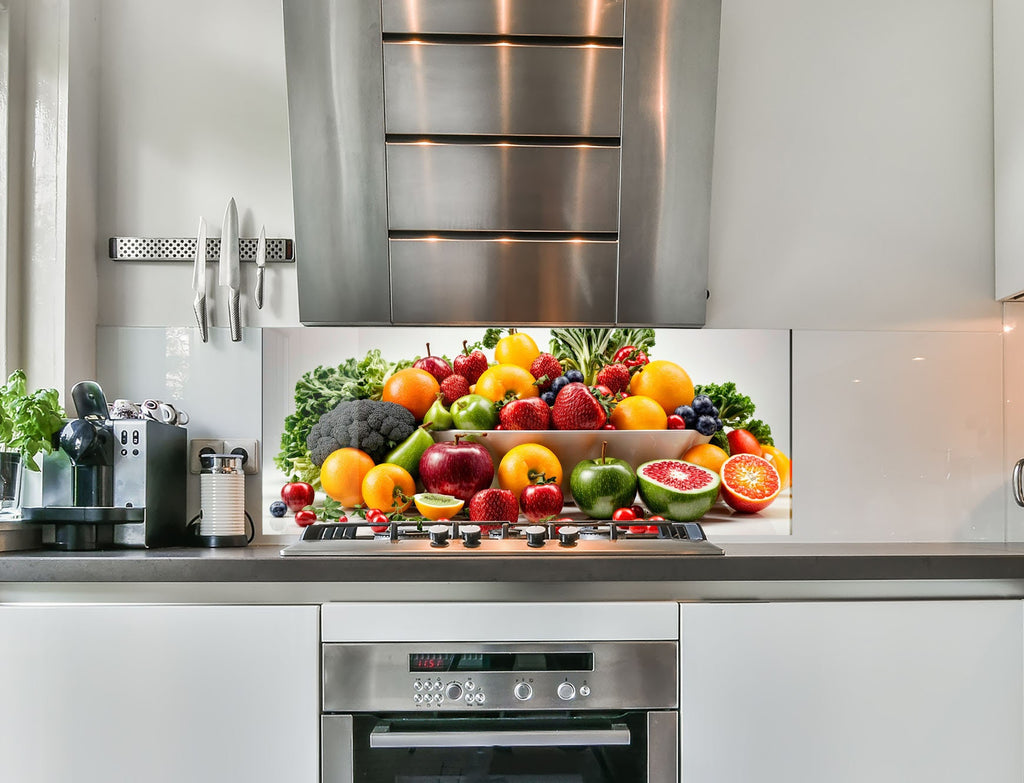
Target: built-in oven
{"type": "Point", "coordinates": [500, 712]}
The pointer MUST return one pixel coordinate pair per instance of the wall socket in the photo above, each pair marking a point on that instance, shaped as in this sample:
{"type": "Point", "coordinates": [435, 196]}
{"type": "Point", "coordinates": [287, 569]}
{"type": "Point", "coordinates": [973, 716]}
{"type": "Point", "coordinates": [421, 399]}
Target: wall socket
{"type": "Point", "coordinates": [248, 447]}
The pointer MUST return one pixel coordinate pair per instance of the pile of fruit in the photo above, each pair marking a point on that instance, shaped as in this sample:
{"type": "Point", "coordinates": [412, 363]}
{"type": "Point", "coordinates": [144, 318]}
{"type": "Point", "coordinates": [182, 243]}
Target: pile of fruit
{"type": "Point", "coordinates": [373, 455]}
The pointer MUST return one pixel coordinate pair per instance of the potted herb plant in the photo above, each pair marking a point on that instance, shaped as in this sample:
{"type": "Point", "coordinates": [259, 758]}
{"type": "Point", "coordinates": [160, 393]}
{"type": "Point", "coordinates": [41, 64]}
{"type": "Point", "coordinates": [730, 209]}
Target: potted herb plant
{"type": "Point", "coordinates": [28, 423]}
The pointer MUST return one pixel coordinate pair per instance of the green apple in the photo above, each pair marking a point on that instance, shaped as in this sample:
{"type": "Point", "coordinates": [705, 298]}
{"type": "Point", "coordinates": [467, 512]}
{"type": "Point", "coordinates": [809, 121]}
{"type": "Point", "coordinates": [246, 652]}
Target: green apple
{"type": "Point", "coordinates": [474, 412]}
{"type": "Point", "coordinates": [599, 486]}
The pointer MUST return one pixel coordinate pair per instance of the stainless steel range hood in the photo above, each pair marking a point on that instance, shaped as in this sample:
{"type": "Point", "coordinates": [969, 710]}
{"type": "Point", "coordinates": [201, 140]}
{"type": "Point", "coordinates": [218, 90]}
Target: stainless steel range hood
{"type": "Point", "coordinates": [502, 161]}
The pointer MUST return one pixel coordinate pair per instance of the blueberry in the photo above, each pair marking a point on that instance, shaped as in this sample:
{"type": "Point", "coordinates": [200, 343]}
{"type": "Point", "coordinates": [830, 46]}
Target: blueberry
{"type": "Point", "coordinates": [548, 397]}
{"type": "Point", "coordinates": [574, 376]}
{"type": "Point", "coordinates": [688, 415]}
{"type": "Point", "coordinates": [559, 383]}
{"type": "Point", "coordinates": [278, 508]}
{"type": "Point", "coordinates": [719, 424]}
{"type": "Point", "coordinates": [706, 425]}
{"type": "Point", "coordinates": [702, 405]}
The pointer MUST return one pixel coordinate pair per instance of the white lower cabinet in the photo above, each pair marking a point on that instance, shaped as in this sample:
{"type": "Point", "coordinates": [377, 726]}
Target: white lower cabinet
{"type": "Point", "coordinates": [852, 692]}
{"type": "Point", "coordinates": [159, 694]}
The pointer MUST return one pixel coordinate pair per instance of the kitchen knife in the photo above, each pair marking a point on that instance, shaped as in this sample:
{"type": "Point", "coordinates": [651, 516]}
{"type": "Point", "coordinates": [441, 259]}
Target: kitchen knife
{"type": "Point", "coordinates": [261, 262]}
{"type": "Point", "coordinates": [229, 274]}
{"type": "Point", "coordinates": [199, 281]}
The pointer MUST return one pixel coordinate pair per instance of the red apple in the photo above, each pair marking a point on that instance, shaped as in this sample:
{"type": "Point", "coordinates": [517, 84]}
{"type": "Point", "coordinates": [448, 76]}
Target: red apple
{"type": "Point", "coordinates": [297, 495]}
{"type": "Point", "coordinates": [541, 501]}
{"type": "Point", "coordinates": [435, 365]}
{"type": "Point", "coordinates": [458, 468]}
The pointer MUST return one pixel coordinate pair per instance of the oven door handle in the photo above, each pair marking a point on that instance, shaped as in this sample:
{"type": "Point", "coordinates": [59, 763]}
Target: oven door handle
{"type": "Point", "coordinates": [382, 737]}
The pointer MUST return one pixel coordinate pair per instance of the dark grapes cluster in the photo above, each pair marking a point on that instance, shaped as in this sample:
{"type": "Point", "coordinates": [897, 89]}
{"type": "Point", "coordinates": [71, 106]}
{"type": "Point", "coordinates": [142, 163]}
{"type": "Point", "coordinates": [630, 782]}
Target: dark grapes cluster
{"type": "Point", "coordinates": [559, 383]}
{"type": "Point", "coordinates": [700, 415]}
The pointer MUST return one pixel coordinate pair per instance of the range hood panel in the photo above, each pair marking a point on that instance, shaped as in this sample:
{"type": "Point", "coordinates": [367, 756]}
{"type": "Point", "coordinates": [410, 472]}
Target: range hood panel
{"type": "Point", "coordinates": [592, 18]}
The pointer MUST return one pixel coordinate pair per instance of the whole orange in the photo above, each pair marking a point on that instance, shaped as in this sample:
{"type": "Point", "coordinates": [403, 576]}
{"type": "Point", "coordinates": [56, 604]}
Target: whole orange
{"type": "Point", "coordinates": [341, 475]}
{"type": "Point", "coordinates": [523, 465]}
{"type": "Point", "coordinates": [707, 455]}
{"type": "Point", "coordinates": [517, 348]}
{"type": "Point", "coordinates": [388, 487]}
{"type": "Point", "coordinates": [781, 462]}
{"type": "Point", "coordinates": [639, 413]}
{"type": "Point", "coordinates": [501, 379]}
{"type": "Point", "coordinates": [413, 389]}
{"type": "Point", "coordinates": [666, 382]}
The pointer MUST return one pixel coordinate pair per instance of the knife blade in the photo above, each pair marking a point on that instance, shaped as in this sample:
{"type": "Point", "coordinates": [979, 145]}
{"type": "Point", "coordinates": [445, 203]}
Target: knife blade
{"type": "Point", "coordinates": [261, 262]}
{"type": "Point", "coordinates": [199, 281]}
{"type": "Point", "coordinates": [229, 273]}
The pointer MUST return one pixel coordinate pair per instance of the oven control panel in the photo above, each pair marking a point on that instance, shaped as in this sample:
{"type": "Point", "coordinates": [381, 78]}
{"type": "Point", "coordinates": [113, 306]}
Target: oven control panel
{"type": "Point", "coordinates": [534, 691]}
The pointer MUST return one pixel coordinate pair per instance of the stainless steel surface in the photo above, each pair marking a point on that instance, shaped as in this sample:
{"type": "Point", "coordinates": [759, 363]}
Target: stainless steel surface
{"type": "Point", "coordinates": [261, 262]}
{"type": "Point", "coordinates": [228, 268]}
{"type": "Point", "coordinates": [1016, 483]}
{"type": "Point", "coordinates": [199, 282]}
{"type": "Point", "coordinates": [18, 536]}
{"type": "Point", "coordinates": [663, 747]}
{"type": "Point", "coordinates": [502, 89]}
{"type": "Point", "coordinates": [502, 187]}
{"type": "Point", "coordinates": [221, 463]}
{"type": "Point", "coordinates": [495, 547]}
{"type": "Point", "coordinates": [484, 281]}
{"type": "Point", "coordinates": [279, 251]}
{"type": "Point", "coordinates": [668, 130]}
{"type": "Point", "coordinates": [335, 77]}
{"type": "Point", "coordinates": [592, 18]}
{"type": "Point", "coordinates": [375, 677]}
{"type": "Point", "coordinates": [383, 737]}
{"type": "Point", "coordinates": [336, 747]}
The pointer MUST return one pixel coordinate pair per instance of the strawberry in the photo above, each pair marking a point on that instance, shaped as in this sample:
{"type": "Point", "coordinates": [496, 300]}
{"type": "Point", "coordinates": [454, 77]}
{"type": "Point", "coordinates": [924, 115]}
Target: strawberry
{"type": "Point", "coordinates": [529, 413]}
{"type": "Point", "coordinates": [576, 408]}
{"type": "Point", "coordinates": [453, 387]}
{"type": "Point", "coordinates": [493, 505]}
{"type": "Point", "coordinates": [614, 376]}
{"type": "Point", "coordinates": [470, 364]}
{"type": "Point", "coordinates": [541, 500]}
{"type": "Point", "coordinates": [545, 369]}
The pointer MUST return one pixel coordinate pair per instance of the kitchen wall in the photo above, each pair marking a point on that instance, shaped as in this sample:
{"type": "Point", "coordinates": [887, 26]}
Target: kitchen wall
{"type": "Point", "coordinates": [852, 205]}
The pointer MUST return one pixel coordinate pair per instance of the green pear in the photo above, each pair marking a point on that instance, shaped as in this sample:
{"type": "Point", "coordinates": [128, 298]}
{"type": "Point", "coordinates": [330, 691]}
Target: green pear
{"type": "Point", "coordinates": [437, 416]}
{"type": "Point", "coordinates": [407, 453]}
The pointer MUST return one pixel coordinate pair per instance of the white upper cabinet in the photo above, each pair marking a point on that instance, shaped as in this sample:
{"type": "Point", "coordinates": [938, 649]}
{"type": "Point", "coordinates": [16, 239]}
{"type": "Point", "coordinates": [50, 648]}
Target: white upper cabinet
{"type": "Point", "coordinates": [1008, 113]}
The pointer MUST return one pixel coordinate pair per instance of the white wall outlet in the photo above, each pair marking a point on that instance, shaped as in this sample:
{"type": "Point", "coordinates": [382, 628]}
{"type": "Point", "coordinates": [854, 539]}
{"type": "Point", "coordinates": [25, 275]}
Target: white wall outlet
{"type": "Point", "coordinates": [198, 446]}
{"type": "Point", "coordinates": [249, 449]}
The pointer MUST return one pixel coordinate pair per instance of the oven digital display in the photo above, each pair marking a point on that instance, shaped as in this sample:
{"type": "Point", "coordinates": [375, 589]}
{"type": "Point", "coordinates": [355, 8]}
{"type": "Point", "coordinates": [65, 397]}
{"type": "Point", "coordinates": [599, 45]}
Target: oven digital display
{"type": "Point", "coordinates": [502, 662]}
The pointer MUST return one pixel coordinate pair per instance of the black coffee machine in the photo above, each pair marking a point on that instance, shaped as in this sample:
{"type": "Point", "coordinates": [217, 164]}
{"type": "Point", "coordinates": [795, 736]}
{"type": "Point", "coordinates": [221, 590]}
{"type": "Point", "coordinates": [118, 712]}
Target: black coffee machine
{"type": "Point", "coordinates": [118, 482]}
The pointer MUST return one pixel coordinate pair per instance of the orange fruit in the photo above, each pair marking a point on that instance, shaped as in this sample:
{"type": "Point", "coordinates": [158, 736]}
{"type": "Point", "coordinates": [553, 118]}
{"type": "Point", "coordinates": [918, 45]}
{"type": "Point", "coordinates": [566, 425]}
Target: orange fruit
{"type": "Point", "coordinates": [341, 475]}
{"type": "Point", "coordinates": [639, 413]}
{"type": "Point", "coordinates": [523, 465]}
{"type": "Point", "coordinates": [781, 462]}
{"type": "Point", "coordinates": [388, 487]}
{"type": "Point", "coordinates": [666, 382]}
{"type": "Point", "coordinates": [749, 483]}
{"type": "Point", "coordinates": [413, 389]}
{"type": "Point", "coordinates": [707, 455]}
{"type": "Point", "coordinates": [517, 348]}
{"type": "Point", "coordinates": [498, 381]}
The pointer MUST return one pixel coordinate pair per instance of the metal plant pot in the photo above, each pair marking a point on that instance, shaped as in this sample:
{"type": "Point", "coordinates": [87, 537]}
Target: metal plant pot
{"type": "Point", "coordinates": [11, 469]}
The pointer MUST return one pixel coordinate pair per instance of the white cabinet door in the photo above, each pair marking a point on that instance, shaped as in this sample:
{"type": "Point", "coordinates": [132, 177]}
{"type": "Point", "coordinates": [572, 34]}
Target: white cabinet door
{"type": "Point", "coordinates": [887, 692]}
{"type": "Point", "coordinates": [161, 694]}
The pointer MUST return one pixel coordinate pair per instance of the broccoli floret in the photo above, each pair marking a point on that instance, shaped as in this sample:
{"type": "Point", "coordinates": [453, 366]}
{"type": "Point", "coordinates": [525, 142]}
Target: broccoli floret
{"type": "Point", "coordinates": [372, 426]}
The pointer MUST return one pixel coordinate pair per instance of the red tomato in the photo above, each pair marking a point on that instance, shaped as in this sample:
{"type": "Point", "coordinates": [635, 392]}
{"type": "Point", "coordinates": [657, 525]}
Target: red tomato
{"type": "Point", "coordinates": [636, 529]}
{"type": "Point", "coordinates": [378, 520]}
{"type": "Point", "coordinates": [304, 518]}
{"type": "Point", "coordinates": [624, 515]}
{"type": "Point", "coordinates": [742, 442]}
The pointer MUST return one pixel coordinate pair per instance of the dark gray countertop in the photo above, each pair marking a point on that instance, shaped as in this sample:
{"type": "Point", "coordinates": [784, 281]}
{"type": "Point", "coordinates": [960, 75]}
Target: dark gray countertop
{"type": "Point", "coordinates": [741, 563]}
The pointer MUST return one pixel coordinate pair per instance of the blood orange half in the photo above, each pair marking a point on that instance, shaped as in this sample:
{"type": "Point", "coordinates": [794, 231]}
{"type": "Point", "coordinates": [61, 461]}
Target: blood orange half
{"type": "Point", "coordinates": [749, 483]}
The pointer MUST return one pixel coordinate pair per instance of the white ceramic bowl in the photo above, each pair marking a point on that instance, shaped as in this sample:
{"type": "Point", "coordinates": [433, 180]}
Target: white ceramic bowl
{"type": "Point", "coordinates": [571, 446]}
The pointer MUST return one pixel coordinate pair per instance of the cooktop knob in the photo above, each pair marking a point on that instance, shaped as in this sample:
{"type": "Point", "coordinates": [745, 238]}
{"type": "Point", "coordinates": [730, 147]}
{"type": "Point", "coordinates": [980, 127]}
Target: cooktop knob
{"type": "Point", "coordinates": [566, 691]}
{"type": "Point", "coordinates": [522, 691]}
{"type": "Point", "coordinates": [536, 535]}
{"type": "Point", "coordinates": [470, 535]}
{"type": "Point", "coordinates": [568, 535]}
{"type": "Point", "coordinates": [438, 535]}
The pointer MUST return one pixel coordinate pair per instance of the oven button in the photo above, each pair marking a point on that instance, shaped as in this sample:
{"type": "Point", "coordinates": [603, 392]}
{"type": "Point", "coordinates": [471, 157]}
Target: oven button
{"type": "Point", "coordinates": [417, 686]}
{"type": "Point", "coordinates": [453, 691]}
{"type": "Point", "coordinates": [470, 685]}
{"type": "Point", "coordinates": [584, 690]}
{"type": "Point", "coordinates": [417, 699]}
{"type": "Point", "coordinates": [522, 691]}
{"type": "Point", "coordinates": [469, 698]}
{"type": "Point", "coordinates": [479, 698]}
{"type": "Point", "coordinates": [566, 691]}
{"type": "Point", "coordinates": [438, 698]}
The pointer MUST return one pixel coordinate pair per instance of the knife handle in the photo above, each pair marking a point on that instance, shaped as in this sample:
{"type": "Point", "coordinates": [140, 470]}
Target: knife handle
{"type": "Point", "coordinates": [199, 306]}
{"type": "Point", "coordinates": [258, 294]}
{"type": "Point", "coordinates": [234, 317]}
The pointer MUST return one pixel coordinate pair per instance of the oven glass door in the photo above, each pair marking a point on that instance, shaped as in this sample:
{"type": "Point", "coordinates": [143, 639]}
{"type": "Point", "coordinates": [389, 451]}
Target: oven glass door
{"type": "Point", "coordinates": [497, 748]}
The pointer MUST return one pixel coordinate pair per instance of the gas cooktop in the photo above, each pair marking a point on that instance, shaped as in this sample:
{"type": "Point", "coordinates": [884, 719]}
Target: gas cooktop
{"type": "Point", "coordinates": [587, 537]}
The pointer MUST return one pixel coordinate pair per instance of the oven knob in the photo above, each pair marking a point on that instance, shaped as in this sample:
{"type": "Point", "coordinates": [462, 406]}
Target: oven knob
{"type": "Point", "coordinates": [479, 698]}
{"type": "Point", "coordinates": [417, 699]}
{"type": "Point", "coordinates": [438, 535]}
{"type": "Point", "coordinates": [566, 691]}
{"type": "Point", "coordinates": [417, 686]}
{"type": "Point", "coordinates": [470, 535]}
{"type": "Point", "coordinates": [453, 692]}
{"type": "Point", "coordinates": [522, 691]}
{"type": "Point", "coordinates": [535, 535]}
{"type": "Point", "coordinates": [470, 685]}
{"type": "Point", "coordinates": [568, 535]}
{"type": "Point", "coordinates": [584, 690]}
